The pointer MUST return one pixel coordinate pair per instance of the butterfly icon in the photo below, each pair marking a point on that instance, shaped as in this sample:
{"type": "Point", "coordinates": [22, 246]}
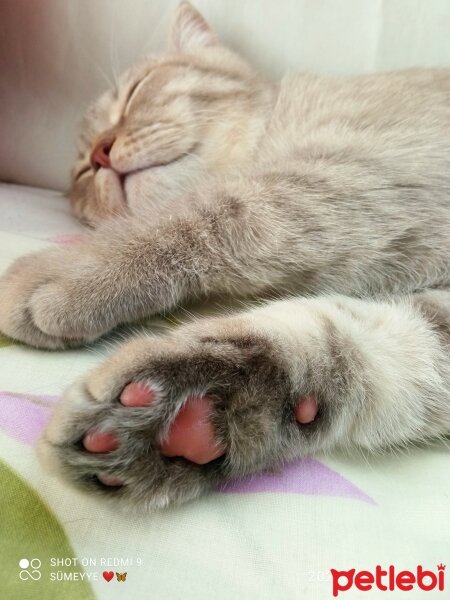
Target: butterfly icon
{"type": "Point", "coordinates": [121, 576]}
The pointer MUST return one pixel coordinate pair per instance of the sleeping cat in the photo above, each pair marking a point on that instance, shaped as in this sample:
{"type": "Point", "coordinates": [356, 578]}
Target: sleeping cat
{"type": "Point", "coordinates": [201, 178]}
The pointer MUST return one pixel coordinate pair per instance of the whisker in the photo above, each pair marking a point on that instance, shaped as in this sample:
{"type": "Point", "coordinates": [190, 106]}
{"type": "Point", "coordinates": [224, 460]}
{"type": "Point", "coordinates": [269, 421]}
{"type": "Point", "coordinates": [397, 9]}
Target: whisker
{"type": "Point", "coordinates": [113, 48]}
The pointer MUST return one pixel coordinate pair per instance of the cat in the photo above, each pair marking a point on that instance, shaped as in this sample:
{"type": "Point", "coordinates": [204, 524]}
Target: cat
{"type": "Point", "coordinates": [328, 198]}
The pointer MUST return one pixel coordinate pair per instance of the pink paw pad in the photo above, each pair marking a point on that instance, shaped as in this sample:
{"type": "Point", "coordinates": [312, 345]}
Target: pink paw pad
{"type": "Point", "coordinates": [191, 435]}
{"type": "Point", "coordinates": [306, 410]}
{"type": "Point", "coordinates": [137, 394]}
{"type": "Point", "coordinates": [100, 442]}
{"type": "Point", "coordinates": [109, 480]}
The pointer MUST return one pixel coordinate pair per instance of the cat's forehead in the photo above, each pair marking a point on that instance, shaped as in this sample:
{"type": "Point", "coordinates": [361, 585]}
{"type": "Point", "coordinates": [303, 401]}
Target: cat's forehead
{"type": "Point", "coordinates": [155, 70]}
{"type": "Point", "coordinates": [163, 78]}
{"type": "Point", "coordinates": [106, 110]}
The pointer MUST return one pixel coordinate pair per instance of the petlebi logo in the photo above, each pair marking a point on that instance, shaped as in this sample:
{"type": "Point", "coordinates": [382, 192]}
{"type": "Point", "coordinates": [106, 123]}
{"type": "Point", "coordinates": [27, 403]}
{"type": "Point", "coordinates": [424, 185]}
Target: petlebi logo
{"type": "Point", "coordinates": [30, 569]}
{"type": "Point", "coordinates": [388, 580]}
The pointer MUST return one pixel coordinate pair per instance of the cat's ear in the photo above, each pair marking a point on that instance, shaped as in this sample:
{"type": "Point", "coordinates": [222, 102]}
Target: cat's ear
{"type": "Point", "coordinates": [190, 30]}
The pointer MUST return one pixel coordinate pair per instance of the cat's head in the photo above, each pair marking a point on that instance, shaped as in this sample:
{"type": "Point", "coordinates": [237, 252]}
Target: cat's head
{"type": "Point", "coordinates": [171, 119]}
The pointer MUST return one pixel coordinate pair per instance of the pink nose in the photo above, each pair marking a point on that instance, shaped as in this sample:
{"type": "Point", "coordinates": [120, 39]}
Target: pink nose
{"type": "Point", "coordinates": [100, 153]}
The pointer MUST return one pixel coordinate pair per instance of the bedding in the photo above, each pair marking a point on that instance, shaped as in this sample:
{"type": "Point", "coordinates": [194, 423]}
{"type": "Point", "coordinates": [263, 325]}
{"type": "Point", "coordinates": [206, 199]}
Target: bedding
{"type": "Point", "coordinates": [274, 536]}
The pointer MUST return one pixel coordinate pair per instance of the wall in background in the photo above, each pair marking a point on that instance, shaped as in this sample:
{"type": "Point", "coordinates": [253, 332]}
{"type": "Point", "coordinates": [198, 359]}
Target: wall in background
{"type": "Point", "coordinates": [57, 55]}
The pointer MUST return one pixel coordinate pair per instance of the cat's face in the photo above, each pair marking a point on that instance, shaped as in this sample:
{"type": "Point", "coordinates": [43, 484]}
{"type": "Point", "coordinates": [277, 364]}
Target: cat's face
{"type": "Point", "coordinates": [171, 119]}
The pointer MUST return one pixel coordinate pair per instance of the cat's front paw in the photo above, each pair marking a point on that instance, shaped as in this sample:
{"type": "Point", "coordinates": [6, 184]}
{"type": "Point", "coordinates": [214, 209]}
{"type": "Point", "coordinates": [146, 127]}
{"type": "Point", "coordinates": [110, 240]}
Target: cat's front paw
{"type": "Point", "coordinates": [44, 300]}
{"type": "Point", "coordinates": [165, 419]}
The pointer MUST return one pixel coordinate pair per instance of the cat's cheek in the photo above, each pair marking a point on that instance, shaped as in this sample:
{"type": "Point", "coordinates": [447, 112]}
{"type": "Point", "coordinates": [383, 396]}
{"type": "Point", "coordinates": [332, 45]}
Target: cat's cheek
{"type": "Point", "coordinates": [140, 188]}
{"type": "Point", "coordinates": [132, 186]}
{"type": "Point", "coordinates": [141, 183]}
{"type": "Point", "coordinates": [156, 191]}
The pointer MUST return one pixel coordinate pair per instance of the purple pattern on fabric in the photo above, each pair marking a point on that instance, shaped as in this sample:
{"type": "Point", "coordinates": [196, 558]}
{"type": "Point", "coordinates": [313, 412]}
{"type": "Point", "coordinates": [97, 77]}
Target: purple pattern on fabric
{"type": "Point", "coordinates": [67, 238]}
{"type": "Point", "coordinates": [24, 416]}
{"type": "Point", "coordinates": [304, 476]}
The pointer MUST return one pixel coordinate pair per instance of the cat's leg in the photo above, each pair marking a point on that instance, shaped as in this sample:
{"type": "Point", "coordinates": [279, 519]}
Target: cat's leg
{"type": "Point", "coordinates": [164, 419]}
{"type": "Point", "coordinates": [288, 230]}
{"type": "Point", "coordinates": [131, 268]}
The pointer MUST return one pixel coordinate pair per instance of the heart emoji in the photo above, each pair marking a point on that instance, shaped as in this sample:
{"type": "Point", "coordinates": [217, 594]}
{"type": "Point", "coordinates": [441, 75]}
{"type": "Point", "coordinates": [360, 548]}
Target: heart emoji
{"type": "Point", "coordinates": [108, 575]}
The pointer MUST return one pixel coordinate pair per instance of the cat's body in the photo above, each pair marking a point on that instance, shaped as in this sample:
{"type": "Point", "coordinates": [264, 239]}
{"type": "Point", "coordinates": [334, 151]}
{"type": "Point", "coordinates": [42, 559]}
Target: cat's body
{"type": "Point", "coordinates": [335, 188]}
{"type": "Point", "coordinates": [340, 163]}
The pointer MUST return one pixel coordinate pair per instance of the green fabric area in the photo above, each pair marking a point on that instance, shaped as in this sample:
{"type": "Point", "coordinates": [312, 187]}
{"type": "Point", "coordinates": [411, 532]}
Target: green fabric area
{"type": "Point", "coordinates": [29, 530]}
{"type": "Point", "coordinates": [6, 342]}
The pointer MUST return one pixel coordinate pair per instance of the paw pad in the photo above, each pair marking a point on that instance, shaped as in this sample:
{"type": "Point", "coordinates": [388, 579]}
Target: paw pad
{"type": "Point", "coordinates": [137, 394]}
{"type": "Point", "coordinates": [100, 442]}
{"type": "Point", "coordinates": [191, 435]}
{"type": "Point", "coordinates": [109, 480]}
{"type": "Point", "coordinates": [306, 410]}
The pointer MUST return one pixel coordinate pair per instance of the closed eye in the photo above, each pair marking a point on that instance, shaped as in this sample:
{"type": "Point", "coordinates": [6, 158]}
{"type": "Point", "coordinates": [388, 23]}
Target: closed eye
{"type": "Point", "coordinates": [132, 91]}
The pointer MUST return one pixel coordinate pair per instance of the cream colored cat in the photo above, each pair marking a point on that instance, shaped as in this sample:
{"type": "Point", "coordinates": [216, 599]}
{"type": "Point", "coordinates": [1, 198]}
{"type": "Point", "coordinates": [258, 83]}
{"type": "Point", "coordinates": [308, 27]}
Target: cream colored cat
{"type": "Point", "coordinates": [202, 178]}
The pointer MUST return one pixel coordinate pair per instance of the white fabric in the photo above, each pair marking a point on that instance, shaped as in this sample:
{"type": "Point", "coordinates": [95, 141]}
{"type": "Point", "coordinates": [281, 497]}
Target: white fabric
{"type": "Point", "coordinates": [56, 55]}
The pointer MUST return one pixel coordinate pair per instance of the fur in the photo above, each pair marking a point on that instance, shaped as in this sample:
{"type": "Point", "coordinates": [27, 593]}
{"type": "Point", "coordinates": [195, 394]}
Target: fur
{"type": "Point", "coordinates": [332, 194]}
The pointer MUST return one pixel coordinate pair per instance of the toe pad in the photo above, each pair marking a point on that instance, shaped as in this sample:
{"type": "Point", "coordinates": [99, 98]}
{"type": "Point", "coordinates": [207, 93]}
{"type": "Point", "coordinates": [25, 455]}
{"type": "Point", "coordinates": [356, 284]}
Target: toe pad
{"type": "Point", "coordinates": [306, 410]}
